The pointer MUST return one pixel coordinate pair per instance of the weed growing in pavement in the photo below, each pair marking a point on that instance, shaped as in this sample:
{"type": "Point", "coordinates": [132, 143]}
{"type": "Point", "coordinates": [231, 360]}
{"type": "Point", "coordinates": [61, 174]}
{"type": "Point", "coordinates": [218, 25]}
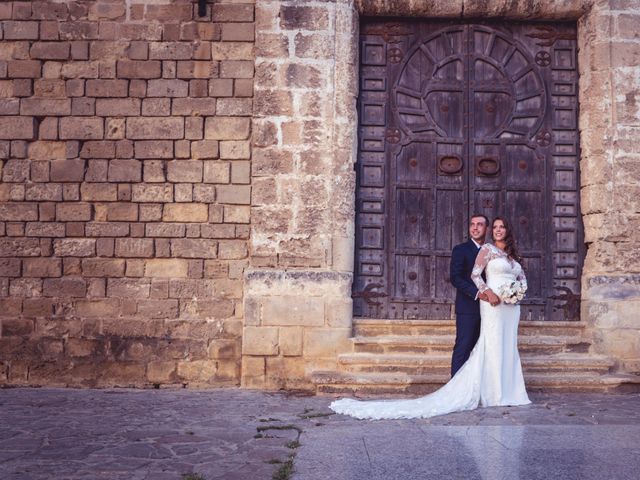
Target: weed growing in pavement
{"type": "Point", "coordinates": [192, 476]}
{"type": "Point", "coordinates": [285, 471]}
{"type": "Point", "coordinates": [293, 444]}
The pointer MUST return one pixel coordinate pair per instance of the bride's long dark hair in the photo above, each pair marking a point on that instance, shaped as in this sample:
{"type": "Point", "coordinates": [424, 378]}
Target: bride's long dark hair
{"type": "Point", "coordinates": [509, 240]}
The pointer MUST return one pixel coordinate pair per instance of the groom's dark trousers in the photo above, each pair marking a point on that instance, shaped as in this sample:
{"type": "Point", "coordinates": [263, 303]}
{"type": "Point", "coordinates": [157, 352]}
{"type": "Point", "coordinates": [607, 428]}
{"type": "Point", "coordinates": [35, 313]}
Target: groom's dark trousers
{"type": "Point", "coordinates": [463, 258]}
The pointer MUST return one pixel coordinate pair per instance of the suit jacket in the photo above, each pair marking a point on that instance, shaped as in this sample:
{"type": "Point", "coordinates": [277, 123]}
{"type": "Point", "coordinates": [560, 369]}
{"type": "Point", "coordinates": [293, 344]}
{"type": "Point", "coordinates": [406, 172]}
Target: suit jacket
{"type": "Point", "coordinates": [463, 258]}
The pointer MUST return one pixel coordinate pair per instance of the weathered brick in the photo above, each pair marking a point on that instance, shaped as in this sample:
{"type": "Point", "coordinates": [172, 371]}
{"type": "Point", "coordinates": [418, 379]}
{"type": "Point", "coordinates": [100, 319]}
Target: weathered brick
{"type": "Point", "coordinates": [20, 247]}
{"type": "Point", "coordinates": [232, 13]}
{"type": "Point", "coordinates": [158, 308]}
{"type": "Point", "coordinates": [134, 247]}
{"type": "Point", "coordinates": [204, 149]}
{"type": "Point", "coordinates": [153, 149]}
{"type": "Point", "coordinates": [184, 171]}
{"type": "Point", "coordinates": [232, 249]}
{"type": "Point", "coordinates": [46, 192]}
{"type": "Point", "coordinates": [185, 212]}
{"type": "Point", "coordinates": [71, 170]}
{"type": "Point", "coordinates": [80, 70]}
{"type": "Point", "coordinates": [107, 10]}
{"type": "Point", "coordinates": [78, 128]}
{"type": "Point", "coordinates": [156, 107]}
{"type": "Point", "coordinates": [216, 172]}
{"type": "Point", "coordinates": [106, 229]}
{"type": "Point", "coordinates": [45, 106]}
{"type": "Point", "coordinates": [45, 10]}
{"type": "Point", "coordinates": [170, 50]}
{"type": "Point", "coordinates": [242, 32]}
{"type": "Point", "coordinates": [106, 308]}
{"type": "Point", "coordinates": [168, 88]}
{"type": "Point", "coordinates": [125, 170]}
{"type": "Point", "coordinates": [165, 230]}
{"type": "Point", "coordinates": [74, 247]}
{"type": "Point", "coordinates": [232, 51]}
{"type": "Point", "coordinates": [226, 128]}
{"type": "Point", "coordinates": [155, 128]}
{"type": "Point", "coordinates": [107, 88]}
{"type": "Point", "coordinates": [43, 150]}
{"type": "Point", "coordinates": [50, 50]}
{"type": "Point", "coordinates": [14, 326]}
{"type": "Point", "coordinates": [234, 194]}
{"type": "Point", "coordinates": [42, 267]}
{"type": "Point", "coordinates": [166, 268]}
{"type": "Point", "coordinates": [69, 212]}
{"type": "Point", "coordinates": [197, 69]}
{"type": "Point", "coordinates": [20, 30]}
{"type": "Point", "coordinates": [49, 87]}
{"type": "Point", "coordinates": [12, 212]}
{"type": "Point", "coordinates": [37, 307]}
{"type": "Point", "coordinates": [15, 128]}
{"type": "Point", "coordinates": [118, 107]}
{"type": "Point", "coordinates": [194, 248]}
{"type": "Point", "coordinates": [139, 69]}
{"type": "Point", "coordinates": [303, 18]}
{"type": "Point", "coordinates": [101, 267]}
{"type": "Point", "coordinates": [234, 106]}
{"type": "Point", "coordinates": [152, 193]}
{"type": "Point", "coordinates": [45, 229]}
{"type": "Point", "coordinates": [99, 192]}
{"type": "Point", "coordinates": [221, 87]}
{"type": "Point", "coordinates": [64, 287]}
{"type": "Point", "coordinates": [194, 106]}
{"type": "Point", "coordinates": [122, 212]}
{"type": "Point", "coordinates": [236, 69]}
{"type": "Point", "coordinates": [128, 288]}
{"type": "Point", "coordinates": [10, 267]}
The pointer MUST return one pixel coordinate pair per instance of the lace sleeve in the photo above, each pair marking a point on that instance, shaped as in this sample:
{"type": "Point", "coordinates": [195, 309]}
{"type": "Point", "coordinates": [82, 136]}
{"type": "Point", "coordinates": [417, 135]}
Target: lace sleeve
{"type": "Point", "coordinates": [484, 255]}
{"type": "Point", "coordinates": [522, 278]}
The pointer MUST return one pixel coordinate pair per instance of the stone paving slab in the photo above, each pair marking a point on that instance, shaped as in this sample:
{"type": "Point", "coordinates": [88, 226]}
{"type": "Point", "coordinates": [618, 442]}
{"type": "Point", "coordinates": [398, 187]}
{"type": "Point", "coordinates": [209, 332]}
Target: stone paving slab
{"type": "Point", "coordinates": [241, 434]}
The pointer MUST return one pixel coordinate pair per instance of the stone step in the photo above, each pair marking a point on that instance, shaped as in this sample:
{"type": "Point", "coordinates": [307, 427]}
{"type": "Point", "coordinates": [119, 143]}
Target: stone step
{"type": "Point", "coordinates": [375, 326]}
{"type": "Point", "coordinates": [426, 344]}
{"type": "Point", "coordinates": [334, 382]}
{"type": "Point", "coordinates": [427, 364]}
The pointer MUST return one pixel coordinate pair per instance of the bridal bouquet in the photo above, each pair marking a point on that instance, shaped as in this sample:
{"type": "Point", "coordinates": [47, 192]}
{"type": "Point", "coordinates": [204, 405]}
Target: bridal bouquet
{"type": "Point", "coordinates": [512, 292]}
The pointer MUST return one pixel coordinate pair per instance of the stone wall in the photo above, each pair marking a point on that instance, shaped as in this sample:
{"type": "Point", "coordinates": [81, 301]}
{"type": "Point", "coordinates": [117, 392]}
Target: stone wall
{"type": "Point", "coordinates": [124, 214]}
{"type": "Point", "coordinates": [610, 129]}
{"type": "Point", "coordinates": [304, 147]}
{"type": "Point", "coordinates": [297, 289]}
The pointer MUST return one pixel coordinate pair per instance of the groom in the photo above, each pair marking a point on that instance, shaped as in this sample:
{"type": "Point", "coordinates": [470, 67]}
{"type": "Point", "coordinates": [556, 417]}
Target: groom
{"type": "Point", "coordinates": [463, 258]}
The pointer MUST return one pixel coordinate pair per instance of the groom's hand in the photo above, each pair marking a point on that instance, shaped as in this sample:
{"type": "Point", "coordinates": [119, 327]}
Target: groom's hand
{"type": "Point", "coordinates": [492, 298]}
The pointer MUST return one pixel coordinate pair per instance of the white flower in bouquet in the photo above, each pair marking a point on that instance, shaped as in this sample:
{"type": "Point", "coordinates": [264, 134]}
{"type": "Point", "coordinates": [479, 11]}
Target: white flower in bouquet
{"type": "Point", "coordinates": [512, 292]}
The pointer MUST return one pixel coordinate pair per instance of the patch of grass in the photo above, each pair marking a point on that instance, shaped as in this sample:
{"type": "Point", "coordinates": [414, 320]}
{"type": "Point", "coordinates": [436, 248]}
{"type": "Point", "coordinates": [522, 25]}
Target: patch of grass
{"type": "Point", "coordinates": [258, 435]}
{"type": "Point", "coordinates": [273, 461]}
{"type": "Point", "coordinates": [293, 444]}
{"type": "Point", "coordinates": [269, 420]}
{"type": "Point", "coordinates": [192, 476]}
{"type": "Point", "coordinates": [285, 471]}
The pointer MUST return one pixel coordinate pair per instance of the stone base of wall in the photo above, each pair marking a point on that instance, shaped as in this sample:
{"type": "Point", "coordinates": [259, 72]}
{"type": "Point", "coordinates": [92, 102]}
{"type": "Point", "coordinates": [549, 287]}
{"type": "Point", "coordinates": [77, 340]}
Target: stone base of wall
{"type": "Point", "coordinates": [295, 322]}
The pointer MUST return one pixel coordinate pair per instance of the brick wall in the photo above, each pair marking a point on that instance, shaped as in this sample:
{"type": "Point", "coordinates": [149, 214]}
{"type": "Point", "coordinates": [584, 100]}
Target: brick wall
{"type": "Point", "coordinates": [124, 202]}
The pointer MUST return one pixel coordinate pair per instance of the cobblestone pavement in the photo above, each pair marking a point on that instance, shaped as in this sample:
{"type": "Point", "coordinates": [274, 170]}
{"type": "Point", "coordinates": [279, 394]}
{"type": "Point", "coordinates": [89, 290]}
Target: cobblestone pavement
{"type": "Point", "coordinates": [240, 434]}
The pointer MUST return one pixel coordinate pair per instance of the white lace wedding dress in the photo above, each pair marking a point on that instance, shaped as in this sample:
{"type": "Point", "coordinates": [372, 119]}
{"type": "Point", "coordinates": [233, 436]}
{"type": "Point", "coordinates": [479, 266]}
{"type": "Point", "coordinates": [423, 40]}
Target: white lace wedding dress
{"type": "Point", "coordinates": [491, 376]}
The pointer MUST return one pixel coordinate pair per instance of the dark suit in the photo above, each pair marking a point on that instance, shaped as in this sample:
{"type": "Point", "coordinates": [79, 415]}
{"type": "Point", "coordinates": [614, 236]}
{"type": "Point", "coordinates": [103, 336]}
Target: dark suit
{"type": "Point", "coordinates": [463, 258]}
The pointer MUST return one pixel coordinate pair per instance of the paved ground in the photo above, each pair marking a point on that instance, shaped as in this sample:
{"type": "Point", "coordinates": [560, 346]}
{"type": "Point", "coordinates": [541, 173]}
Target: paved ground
{"type": "Point", "coordinates": [238, 434]}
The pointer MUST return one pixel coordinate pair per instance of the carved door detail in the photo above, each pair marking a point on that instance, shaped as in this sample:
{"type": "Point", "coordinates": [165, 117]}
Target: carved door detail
{"type": "Point", "coordinates": [456, 118]}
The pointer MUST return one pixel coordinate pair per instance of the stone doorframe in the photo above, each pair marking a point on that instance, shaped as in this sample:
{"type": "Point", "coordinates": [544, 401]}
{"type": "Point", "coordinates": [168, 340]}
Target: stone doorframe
{"type": "Point", "coordinates": [298, 310]}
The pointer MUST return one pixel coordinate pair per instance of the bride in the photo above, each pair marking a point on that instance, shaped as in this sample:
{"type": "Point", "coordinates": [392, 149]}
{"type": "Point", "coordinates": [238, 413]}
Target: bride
{"type": "Point", "coordinates": [492, 376]}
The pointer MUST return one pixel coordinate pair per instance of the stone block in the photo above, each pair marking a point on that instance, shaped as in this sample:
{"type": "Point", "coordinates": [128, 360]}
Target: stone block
{"type": "Point", "coordinates": [107, 88]}
{"type": "Point", "coordinates": [158, 308]}
{"type": "Point", "coordinates": [17, 128]}
{"type": "Point", "coordinates": [238, 32]}
{"type": "Point", "coordinates": [194, 248]}
{"type": "Point", "coordinates": [99, 192]}
{"type": "Point", "coordinates": [152, 193]}
{"type": "Point", "coordinates": [194, 106]}
{"type": "Point", "coordinates": [237, 213]}
{"type": "Point", "coordinates": [142, 128]}
{"type": "Point", "coordinates": [134, 247]}
{"type": "Point", "coordinates": [20, 247]}
{"type": "Point", "coordinates": [64, 287]}
{"type": "Point", "coordinates": [260, 341]}
{"type": "Point", "coordinates": [45, 106]}
{"type": "Point", "coordinates": [71, 170]}
{"type": "Point", "coordinates": [228, 12]}
{"type": "Point", "coordinates": [70, 212]}
{"type": "Point", "coordinates": [125, 170]}
{"type": "Point", "coordinates": [162, 372]}
{"type": "Point", "coordinates": [107, 309]}
{"type": "Point", "coordinates": [166, 268]}
{"type": "Point", "coordinates": [290, 310]}
{"type": "Point", "coordinates": [153, 149]}
{"type": "Point", "coordinates": [103, 267]}
{"type": "Point", "coordinates": [197, 370]}
{"type": "Point", "coordinates": [235, 150]}
{"type": "Point", "coordinates": [81, 128]}
{"type": "Point", "coordinates": [50, 50]}
{"type": "Point", "coordinates": [184, 171]}
{"type": "Point", "coordinates": [290, 341]}
{"type": "Point", "coordinates": [232, 249]}
{"type": "Point", "coordinates": [122, 212]}
{"type": "Point", "coordinates": [13, 212]}
{"type": "Point", "coordinates": [185, 212]}
{"type": "Point", "coordinates": [20, 30]}
{"type": "Point", "coordinates": [139, 69]}
{"type": "Point", "coordinates": [74, 247]}
{"type": "Point", "coordinates": [234, 194]}
{"type": "Point", "coordinates": [326, 342]}
{"type": "Point", "coordinates": [253, 372]}
{"type": "Point", "coordinates": [42, 267]}
{"type": "Point", "coordinates": [227, 128]}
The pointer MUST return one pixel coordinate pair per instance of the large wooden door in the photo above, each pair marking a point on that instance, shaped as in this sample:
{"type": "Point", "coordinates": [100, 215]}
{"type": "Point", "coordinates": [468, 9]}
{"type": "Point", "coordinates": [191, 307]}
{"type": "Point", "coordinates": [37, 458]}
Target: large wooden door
{"type": "Point", "coordinates": [457, 118]}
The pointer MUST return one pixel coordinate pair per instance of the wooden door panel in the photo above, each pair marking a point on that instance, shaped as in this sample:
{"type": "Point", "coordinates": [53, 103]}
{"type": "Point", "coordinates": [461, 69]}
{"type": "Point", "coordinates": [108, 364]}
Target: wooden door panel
{"type": "Point", "coordinates": [457, 118]}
